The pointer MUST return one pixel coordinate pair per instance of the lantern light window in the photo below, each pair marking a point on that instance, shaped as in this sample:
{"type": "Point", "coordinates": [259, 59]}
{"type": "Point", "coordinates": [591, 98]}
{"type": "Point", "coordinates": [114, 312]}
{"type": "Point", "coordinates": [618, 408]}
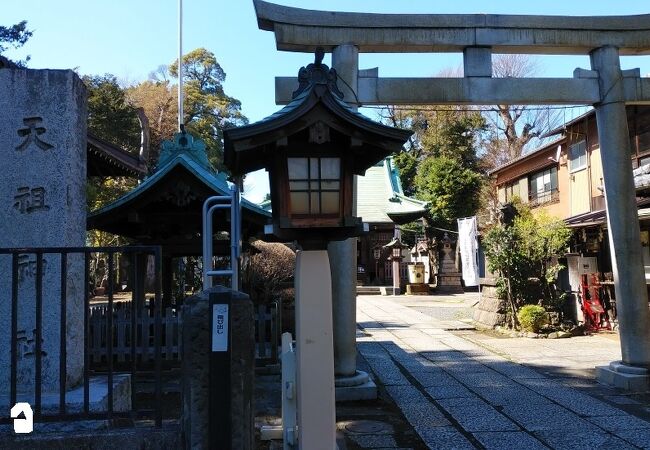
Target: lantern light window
{"type": "Point", "coordinates": [314, 185]}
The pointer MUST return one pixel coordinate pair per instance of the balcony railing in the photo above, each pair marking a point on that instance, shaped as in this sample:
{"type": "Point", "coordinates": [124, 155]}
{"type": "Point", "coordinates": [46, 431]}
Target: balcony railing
{"type": "Point", "coordinates": [543, 198]}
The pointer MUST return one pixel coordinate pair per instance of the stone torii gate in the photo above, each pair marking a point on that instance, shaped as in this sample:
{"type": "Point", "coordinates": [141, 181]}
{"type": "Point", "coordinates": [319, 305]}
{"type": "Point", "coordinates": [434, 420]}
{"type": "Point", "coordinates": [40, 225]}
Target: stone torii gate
{"type": "Point", "coordinates": [606, 87]}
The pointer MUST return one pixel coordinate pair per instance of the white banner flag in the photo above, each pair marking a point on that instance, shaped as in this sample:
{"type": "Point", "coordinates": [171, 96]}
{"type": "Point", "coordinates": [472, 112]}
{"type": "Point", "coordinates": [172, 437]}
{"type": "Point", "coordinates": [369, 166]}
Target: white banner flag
{"type": "Point", "coordinates": [468, 250]}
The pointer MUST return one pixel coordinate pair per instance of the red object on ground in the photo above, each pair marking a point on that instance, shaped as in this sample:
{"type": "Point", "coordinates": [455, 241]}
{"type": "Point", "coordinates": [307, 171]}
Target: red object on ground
{"type": "Point", "coordinates": [592, 306]}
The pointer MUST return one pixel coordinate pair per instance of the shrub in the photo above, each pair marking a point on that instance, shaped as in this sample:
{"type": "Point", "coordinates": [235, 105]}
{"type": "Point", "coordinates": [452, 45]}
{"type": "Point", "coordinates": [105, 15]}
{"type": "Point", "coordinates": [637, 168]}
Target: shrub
{"type": "Point", "coordinates": [532, 317]}
{"type": "Point", "coordinates": [268, 272]}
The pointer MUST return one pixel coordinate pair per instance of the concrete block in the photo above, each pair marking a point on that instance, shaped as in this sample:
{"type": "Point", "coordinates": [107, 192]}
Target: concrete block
{"type": "Point", "coordinates": [477, 62]}
{"type": "Point", "coordinates": [627, 381]}
{"type": "Point", "coordinates": [365, 391]}
{"type": "Point", "coordinates": [74, 398]}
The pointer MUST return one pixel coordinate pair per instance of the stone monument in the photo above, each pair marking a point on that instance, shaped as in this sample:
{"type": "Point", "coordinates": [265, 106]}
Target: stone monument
{"type": "Point", "coordinates": [43, 204]}
{"type": "Point", "coordinates": [448, 274]}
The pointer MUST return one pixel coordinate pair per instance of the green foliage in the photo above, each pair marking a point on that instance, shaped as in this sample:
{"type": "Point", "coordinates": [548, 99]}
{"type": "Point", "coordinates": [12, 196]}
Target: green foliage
{"type": "Point", "coordinates": [449, 186]}
{"type": "Point", "coordinates": [207, 109]}
{"type": "Point", "coordinates": [532, 317]}
{"type": "Point", "coordinates": [14, 36]}
{"type": "Point", "coordinates": [452, 133]}
{"type": "Point", "coordinates": [110, 116]}
{"type": "Point", "coordinates": [159, 101]}
{"type": "Point", "coordinates": [523, 257]}
{"type": "Point", "coordinates": [439, 164]}
{"type": "Point", "coordinates": [113, 119]}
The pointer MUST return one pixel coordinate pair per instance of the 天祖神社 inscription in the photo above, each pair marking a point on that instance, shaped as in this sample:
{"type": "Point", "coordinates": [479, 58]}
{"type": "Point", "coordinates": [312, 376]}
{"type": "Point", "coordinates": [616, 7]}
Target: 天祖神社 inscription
{"type": "Point", "coordinates": [31, 134]}
{"type": "Point", "coordinates": [28, 200]}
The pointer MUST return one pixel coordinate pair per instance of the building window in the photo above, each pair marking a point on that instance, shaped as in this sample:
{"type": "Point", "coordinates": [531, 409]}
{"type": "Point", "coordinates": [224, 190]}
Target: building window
{"type": "Point", "coordinates": [578, 156]}
{"type": "Point", "coordinates": [543, 187]}
{"type": "Point", "coordinates": [512, 191]}
{"type": "Point", "coordinates": [314, 185]}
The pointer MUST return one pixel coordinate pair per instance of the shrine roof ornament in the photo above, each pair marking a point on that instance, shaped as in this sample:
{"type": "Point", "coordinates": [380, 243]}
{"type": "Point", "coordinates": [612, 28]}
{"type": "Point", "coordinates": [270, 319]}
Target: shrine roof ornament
{"type": "Point", "coordinates": [184, 144]}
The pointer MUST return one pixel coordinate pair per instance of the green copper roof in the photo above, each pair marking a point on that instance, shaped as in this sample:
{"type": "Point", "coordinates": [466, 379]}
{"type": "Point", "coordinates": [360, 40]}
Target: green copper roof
{"type": "Point", "coordinates": [380, 198]}
{"type": "Point", "coordinates": [192, 157]}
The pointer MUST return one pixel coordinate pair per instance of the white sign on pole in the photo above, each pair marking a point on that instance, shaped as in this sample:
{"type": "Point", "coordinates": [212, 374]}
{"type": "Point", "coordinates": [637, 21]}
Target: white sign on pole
{"type": "Point", "coordinates": [219, 328]}
{"type": "Point", "coordinates": [468, 250]}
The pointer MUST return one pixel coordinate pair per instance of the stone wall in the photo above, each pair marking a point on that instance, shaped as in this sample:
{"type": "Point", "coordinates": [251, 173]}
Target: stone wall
{"type": "Point", "coordinates": [42, 204]}
{"type": "Point", "coordinates": [195, 370]}
{"type": "Point", "coordinates": [490, 311]}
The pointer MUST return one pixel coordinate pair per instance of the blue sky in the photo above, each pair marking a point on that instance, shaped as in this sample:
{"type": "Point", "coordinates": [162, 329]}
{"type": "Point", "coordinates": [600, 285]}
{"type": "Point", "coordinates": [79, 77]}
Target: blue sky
{"type": "Point", "coordinates": [131, 38]}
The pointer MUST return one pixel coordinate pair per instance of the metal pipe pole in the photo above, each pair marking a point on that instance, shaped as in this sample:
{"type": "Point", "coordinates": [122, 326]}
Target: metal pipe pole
{"type": "Point", "coordinates": [180, 64]}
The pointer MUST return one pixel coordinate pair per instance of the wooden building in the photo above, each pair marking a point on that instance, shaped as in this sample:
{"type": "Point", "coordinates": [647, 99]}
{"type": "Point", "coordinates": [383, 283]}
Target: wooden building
{"type": "Point", "coordinates": [565, 178]}
{"type": "Point", "coordinates": [381, 203]}
{"type": "Point", "coordinates": [166, 208]}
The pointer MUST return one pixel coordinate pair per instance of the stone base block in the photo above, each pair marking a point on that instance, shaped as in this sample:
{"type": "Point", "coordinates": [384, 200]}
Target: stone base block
{"type": "Point", "coordinates": [74, 398]}
{"type": "Point", "coordinates": [357, 387]}
{"type": "Point", "coordinates": [366, 391]}
{"type": "Point", "coordinates": [417, 289]}
{"type": "Point", "coordinates": [624, 376]}
{"type": "Point", "coordinates": [91, 435]}
{"type": "Point", "coordinates": [389, 290]}
{"type": "Point", "coordinates": [447, 289]}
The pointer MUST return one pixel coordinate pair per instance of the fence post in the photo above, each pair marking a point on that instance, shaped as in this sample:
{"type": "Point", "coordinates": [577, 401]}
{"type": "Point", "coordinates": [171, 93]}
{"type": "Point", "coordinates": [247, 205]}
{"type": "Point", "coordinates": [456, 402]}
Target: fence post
{"type": "Point", "coordinates": [220, 356]}
{"type": "Point", "coordinates": [196, 364]}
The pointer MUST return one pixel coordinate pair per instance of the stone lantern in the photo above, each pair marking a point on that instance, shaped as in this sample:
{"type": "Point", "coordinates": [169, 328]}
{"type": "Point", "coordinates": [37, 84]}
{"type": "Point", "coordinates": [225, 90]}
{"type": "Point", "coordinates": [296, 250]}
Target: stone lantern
{"type": "Point", "coordinates": [396, 248]}
{"type": "Point", "coordinates": [312, 148]}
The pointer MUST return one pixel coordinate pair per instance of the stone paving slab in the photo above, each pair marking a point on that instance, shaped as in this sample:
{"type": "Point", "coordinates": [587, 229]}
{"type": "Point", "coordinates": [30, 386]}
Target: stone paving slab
{"type": "Point", "coordinates": [621, 422]}
{"type": "Point", "coordinates": [513, 440]}
{"type": "Point", "coordinates": [508, 368]}
{"type": "Point", "coordinates": [445, 438]}
{"type": "Point", "coordinates": [640, 438]}
{"type": "Point", "coordinates": [489, 378]}
{"type": "Point", "coordinates": [481, 418]}
{"type": "Point", "coordinates": [511, 395]}
{"type": "Point", "coordinates": [374, 441]}
{"type": "Point", "coordinates": [570, 398]}
{"type": "Point", "coordinates": [547, 417]}
{"type": "Point", "coordinates": [447, 403]}
{"type": "Point", "coordinates": [432, 377]}
{"type": "Point", "coordinates": [453, 390]}
{"type": "Point", "coordinates": [583, 441]}
{"type": "Point", "coordinates": [458, 393]}
{"type": "Point", "coordinates": [419, 411]}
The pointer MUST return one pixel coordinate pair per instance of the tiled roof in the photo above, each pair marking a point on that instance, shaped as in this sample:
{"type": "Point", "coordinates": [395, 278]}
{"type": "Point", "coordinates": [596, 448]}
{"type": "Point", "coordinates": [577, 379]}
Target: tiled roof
{"type": "Point", "coordinates": [216, 182]}
{"type": "Point", "coordinates": [527, 155]}
{"type": "Point", "coordinates": [106, 159]}
{"type": "Point", "coordinates": [598, 217]}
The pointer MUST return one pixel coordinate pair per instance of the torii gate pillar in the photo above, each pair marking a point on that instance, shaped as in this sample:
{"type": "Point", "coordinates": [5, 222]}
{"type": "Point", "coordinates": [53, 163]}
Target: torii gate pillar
{"type": "Point", "coordinates": [350, 383]}
{"type": "Point", "coordinates": [623, 227]}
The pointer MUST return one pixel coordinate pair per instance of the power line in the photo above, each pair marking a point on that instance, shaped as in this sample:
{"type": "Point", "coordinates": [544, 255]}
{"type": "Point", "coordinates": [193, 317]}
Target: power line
{"type": "Point", "coordinates": [427, 109]}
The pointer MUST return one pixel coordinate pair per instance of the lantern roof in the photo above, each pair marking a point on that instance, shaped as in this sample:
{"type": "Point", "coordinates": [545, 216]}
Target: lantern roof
{"type": "Point", "coordinates": [395, 243]}
{"type": "Point", "coordinates": [317, 99]}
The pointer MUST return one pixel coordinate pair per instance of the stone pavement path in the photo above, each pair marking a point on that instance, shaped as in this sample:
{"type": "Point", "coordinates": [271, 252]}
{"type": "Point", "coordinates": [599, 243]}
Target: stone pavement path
{"type": "Point", "coordinates": [459, 395]}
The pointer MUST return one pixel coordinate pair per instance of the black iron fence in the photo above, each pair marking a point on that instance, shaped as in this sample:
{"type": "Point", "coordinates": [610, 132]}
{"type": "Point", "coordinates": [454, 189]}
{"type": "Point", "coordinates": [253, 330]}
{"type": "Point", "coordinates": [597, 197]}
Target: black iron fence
{"type": "Point", "coordinates": [69, 266]}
